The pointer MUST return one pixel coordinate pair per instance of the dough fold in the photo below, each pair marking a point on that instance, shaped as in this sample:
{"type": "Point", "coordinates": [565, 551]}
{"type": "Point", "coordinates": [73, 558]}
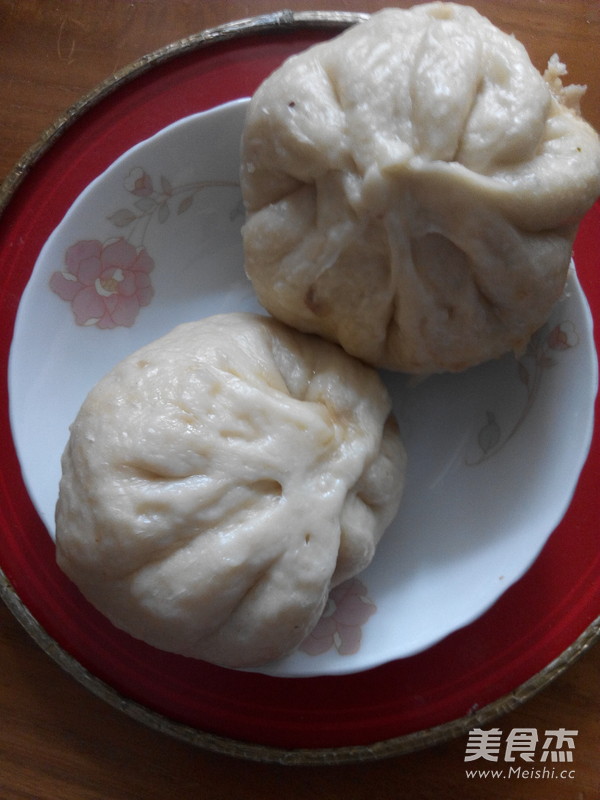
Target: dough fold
{"type": "Point", "coordinates": [219, 481]}
{"type": "Point", "coordinates": [413, 188]}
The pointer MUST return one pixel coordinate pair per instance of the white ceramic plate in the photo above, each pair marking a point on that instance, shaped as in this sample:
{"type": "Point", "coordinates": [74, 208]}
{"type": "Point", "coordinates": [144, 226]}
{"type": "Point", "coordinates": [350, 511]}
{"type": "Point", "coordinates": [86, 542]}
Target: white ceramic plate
{"type": "Point", "coordinates": [494, 453]}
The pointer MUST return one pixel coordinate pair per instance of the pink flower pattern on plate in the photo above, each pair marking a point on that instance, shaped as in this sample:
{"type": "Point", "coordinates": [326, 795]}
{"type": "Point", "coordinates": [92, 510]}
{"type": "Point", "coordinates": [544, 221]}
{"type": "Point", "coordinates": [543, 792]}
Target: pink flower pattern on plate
{"type": "Point", "coordinates": [138, 182]}
{"type": "Point", "coordinates": [563, 336]}
{"type": "Point", "coordinates": [340, 626]}
{"type": "Point", "coordinates": [106, 284]}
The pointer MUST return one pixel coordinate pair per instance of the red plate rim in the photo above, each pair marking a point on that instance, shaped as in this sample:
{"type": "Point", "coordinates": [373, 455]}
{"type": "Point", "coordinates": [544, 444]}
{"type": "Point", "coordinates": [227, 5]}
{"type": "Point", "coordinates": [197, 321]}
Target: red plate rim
{"type": "Point", "coordinates": [530, 635]}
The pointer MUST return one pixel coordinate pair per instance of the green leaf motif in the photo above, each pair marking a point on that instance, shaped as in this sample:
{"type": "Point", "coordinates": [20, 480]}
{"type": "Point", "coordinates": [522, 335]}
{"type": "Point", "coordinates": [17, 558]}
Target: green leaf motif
{"type": "Point", "coordinates": [122, 218]}
{"type": "Point", "coordinates": [185, 204]}
{"type": "Point", "coordinates": [145, 204]}
{"type": "Point", "coordinates": [523, 373]}
{"type": "Point", "coordinates": [489, 435]}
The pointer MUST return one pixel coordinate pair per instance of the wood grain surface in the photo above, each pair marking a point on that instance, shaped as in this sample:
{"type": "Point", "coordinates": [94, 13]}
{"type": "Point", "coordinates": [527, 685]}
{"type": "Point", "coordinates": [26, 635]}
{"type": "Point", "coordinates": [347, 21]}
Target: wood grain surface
{"type": "Point", "coordinates": [57, 741]}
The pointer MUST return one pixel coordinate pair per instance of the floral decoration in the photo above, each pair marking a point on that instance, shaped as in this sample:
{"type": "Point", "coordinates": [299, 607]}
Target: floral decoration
{"type": "Point", "coordinates": [340, 626]}
{"type": "Point", "coordinates": [108, 282]}
{"type": "Point", "coordinates": [539, 356]}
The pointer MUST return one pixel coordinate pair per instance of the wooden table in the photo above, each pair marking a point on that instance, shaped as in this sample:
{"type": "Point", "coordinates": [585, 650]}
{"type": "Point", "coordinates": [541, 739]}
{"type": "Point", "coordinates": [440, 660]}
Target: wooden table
{"type": "Point", "coordinates": [58, 742]}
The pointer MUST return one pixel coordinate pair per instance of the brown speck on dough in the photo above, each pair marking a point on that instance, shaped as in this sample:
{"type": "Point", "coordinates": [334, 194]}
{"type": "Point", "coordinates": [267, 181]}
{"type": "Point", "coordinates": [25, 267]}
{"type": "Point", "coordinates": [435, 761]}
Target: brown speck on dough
{"type": "Point", "coordinates": [318, 306]}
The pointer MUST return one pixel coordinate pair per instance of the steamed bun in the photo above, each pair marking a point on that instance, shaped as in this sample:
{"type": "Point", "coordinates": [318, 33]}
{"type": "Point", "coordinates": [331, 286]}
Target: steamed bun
{"type": "Point", "coordinates": [219, 481]}
{"type": "Point", "coordinates": [413, 188]}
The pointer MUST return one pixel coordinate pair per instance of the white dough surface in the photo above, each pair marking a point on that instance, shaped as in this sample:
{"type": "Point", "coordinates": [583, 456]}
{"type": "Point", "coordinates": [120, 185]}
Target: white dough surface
{"type": "Point", "coordinates": [413, 187]}
{"type": "Point", "coordinates": [218, 482]}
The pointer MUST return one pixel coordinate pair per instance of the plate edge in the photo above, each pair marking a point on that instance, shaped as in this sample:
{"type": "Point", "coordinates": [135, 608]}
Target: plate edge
{"type": "Point", "coordinates": [254, 751]}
